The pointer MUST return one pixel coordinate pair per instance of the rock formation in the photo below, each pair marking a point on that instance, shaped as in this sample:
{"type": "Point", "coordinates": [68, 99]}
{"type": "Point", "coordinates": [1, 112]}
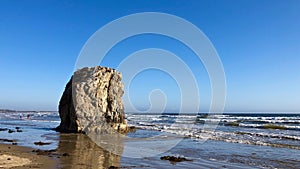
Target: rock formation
{"type": "Point", "coordinates": [92, 102]}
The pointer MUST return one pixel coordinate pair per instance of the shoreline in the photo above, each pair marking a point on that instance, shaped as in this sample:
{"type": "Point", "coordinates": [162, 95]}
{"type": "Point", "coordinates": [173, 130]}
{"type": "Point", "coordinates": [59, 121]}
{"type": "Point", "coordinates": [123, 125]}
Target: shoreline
{"type": "Point", "coordinates": [231, 146]}
{"type": "Point", "coordinates": [73, 151]}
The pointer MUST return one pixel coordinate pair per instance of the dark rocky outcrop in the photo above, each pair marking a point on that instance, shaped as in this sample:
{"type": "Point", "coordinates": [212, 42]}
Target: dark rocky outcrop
{"type": "Point", "coordinates": [92, 101]}
{"type": "Point", "coordinates": [174, 159]}
{"type": "Point", "coordinates": [41, 143]}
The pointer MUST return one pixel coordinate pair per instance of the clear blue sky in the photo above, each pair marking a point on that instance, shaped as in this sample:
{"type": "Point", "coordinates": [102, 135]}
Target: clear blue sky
{"type": "Point", "coordinates": [258, 42]}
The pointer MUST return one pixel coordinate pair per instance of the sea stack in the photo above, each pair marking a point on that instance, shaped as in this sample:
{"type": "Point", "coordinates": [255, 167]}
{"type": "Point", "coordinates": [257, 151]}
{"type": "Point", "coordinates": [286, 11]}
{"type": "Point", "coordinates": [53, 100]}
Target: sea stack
{"type": "Point", "coordinates": [92, 102]}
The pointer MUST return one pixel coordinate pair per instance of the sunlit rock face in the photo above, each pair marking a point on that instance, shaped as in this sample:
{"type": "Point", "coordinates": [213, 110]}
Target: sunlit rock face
{"type": "Point", "coordinates": [92, 102]}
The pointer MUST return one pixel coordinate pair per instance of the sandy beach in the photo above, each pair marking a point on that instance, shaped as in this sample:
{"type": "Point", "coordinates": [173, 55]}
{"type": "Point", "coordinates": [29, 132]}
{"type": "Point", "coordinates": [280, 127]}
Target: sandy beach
{"type": "Point", "coordinates": [13, 156]}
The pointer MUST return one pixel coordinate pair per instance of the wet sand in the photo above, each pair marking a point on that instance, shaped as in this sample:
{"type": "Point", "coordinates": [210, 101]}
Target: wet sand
{"type": "Point", "coordinates": [78, 151]}
{"type": "Point", "coordinates": [74, 151]}
{"type": "Point", "coordinates": [17, 157]}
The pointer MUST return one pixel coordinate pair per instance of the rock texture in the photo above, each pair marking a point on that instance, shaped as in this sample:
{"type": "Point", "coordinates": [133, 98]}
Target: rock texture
{"type": "Point", "coordinates": [92, 102]}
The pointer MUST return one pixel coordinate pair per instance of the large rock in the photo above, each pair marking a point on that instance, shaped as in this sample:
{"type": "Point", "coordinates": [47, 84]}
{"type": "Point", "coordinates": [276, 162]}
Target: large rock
{"type": "Point", "coordinates": [92, 102]}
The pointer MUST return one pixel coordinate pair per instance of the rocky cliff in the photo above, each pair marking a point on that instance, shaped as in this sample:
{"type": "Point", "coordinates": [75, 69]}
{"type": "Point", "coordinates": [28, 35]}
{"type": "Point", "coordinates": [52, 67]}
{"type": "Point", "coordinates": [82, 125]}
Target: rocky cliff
{"type": "Point", "coordinates": [92, 102]}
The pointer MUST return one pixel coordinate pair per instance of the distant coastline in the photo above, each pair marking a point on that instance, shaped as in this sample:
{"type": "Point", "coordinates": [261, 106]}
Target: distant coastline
{"type": "Point", "coordinates": [263, 113]}
{"type": "Point", "coordinates": [23, 111]}
{"type": "Point", "coordinates": [7, 110]}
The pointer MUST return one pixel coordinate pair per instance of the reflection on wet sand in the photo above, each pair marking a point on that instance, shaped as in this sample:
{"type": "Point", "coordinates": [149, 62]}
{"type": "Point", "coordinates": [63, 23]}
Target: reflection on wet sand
{"type": "Point", "coordinates": [82, 152]}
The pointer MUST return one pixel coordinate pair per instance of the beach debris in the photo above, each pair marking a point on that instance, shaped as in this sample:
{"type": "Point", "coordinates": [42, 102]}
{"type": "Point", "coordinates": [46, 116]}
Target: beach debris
{"type": "Point", "coordinates": [92, 102]}
{"type": "Point", "coordinates": [174, 159]}
{"type": "Point", "coordinates": [41, 143]}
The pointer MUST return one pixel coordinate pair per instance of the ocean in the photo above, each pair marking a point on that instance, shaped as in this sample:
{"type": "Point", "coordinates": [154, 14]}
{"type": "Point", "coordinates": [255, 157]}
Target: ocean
{"type": "Point", "coordinates": [228, 140]}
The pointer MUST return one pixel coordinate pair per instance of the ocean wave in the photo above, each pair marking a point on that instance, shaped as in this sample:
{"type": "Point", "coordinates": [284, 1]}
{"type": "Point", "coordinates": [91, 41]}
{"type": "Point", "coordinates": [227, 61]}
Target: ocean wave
{"type": "Point", "coordinates": [261, 136]}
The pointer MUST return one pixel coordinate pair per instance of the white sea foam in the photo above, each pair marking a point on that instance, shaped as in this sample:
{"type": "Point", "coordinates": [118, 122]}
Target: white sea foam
{"type": "Point", "coordinates": [250, 130]}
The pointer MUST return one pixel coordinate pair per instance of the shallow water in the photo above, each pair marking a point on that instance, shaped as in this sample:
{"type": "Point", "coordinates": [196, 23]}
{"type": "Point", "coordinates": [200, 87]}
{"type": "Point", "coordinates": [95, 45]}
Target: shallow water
{"type": "Point", "coordinates": [239, 140]}
{"type": "Point", "coordinates": [38, 127]}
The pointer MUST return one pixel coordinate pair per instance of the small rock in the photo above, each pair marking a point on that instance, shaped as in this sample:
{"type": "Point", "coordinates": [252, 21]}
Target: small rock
{"type": "Point", "coordinates": [41, 143]}
{"type": "Point", "coordinates": [8, 158]}
{"type": "Point", "coordinates": [11, 131]}
{"type": "Point", "coordinates": [14, 143]}
{"type": "Point", "coordinates": [65, 154]}
{"type": "Point", "coordinates": [43, 152]}
{"type": "Point", "coordinates": [132, 129]}
{"type": "Point", "coordinates": [3, 129]}
{"type": "Point", "coordinates": [18, 130]}
{"type": "Point", "coordinates": [7, 140]}
{"type": "Point", "coordinates": [174, 159]}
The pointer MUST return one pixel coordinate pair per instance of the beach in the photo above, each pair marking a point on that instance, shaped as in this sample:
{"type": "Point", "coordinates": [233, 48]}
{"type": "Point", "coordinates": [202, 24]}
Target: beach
{"type": "Point", "coordinates": [150, 84]}
{"type": "Point", "coordinates": [74, 151]}
{"type": "Point", "coordinates": [78, 151]}
{"type": "Point", "coordinates": [239, 141]}
{"type": "Point", "coordinates": [13, 156]}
